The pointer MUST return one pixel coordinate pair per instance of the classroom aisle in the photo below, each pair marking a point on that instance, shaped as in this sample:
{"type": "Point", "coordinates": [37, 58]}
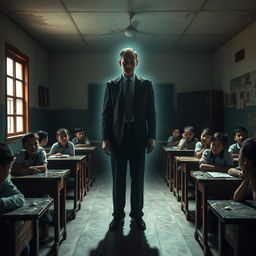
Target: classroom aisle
{"type": "Point", "coordinates": [167, 234]}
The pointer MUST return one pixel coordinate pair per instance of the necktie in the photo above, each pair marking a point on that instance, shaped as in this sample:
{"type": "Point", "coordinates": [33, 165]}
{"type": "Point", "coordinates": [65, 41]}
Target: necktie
{"type": "Point", "coordinates": [128, 97]}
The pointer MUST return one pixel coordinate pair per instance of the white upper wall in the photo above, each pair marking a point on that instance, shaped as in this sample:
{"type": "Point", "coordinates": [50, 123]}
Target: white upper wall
{"type": "Point", "coordinates": [38, 58]}
{"type": "Point", "coordinates": [224, 58]}
{"type": "Point", "coordinates": [70, 73]}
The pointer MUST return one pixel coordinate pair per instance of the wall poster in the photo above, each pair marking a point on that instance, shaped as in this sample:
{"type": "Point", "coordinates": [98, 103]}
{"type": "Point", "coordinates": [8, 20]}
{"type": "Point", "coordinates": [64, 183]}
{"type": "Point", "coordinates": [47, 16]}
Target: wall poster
{"type": "Point", "coordinates": [242, 91]}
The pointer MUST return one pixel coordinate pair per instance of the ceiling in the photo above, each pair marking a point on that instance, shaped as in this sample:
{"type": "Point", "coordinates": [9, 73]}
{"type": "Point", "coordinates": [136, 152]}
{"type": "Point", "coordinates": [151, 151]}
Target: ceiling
{"type": "Point", "coordinates": [93, 25]}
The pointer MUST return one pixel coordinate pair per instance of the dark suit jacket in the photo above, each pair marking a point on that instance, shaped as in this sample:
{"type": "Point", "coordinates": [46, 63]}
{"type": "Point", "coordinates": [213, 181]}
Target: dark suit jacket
{"type": "Point", "coordinates": [113, 112]}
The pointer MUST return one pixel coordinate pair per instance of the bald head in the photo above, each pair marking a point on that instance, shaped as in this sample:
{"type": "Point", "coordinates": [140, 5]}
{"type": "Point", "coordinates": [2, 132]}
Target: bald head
{"type": "Point", "coordinates": [128, 61]}
{"type": "Point", "coordinates": [128, 51]}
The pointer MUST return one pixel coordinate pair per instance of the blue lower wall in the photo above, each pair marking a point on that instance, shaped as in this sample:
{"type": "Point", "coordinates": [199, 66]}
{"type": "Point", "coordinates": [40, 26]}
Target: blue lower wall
{"type": "Point", "coordinates": [51, 120]}
{"type": "Point", "coordinates": [245, 117]}
{"type": "Point", "coordinates": [66, 118]}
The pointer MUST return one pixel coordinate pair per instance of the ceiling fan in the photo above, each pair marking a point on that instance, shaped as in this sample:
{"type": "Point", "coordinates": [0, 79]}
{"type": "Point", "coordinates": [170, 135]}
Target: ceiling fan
{"type": "Point", "coordinates": [131, 30]}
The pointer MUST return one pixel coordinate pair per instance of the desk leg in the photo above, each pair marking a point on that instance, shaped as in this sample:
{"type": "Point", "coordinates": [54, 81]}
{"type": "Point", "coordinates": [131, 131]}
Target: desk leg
{"type": "Point", "coordinates": [76, 193]}
{"type": "Point", "coordinates": [12, 248]}
{"type": "Point", "coordinates": [34, 249]}
{"type": "Point", "coordinates": [184, 190]}
{"type": "Point", "coordinates": [80, 187]}
{"type": "Point", "coordinates": [198, 211]}
{"type": "Point", "coordinates": [89, 171]}
{"type": "Point", "coordinates": [222, 244]}
{"type": "Point", "coordinates": [83, 183]}
{"type": "Point", "coordinates": [204, 224]}
{"type": "Point", "coordinates": [94, 166]}
{"type": "Point", "coordinates": [177, 180]}
{"type": "Point", "coordinates": [56, 218]}
{"type": "Point", "coordinates": [182, 184]}
{"type": "Point", "coordinates": [63, 216]}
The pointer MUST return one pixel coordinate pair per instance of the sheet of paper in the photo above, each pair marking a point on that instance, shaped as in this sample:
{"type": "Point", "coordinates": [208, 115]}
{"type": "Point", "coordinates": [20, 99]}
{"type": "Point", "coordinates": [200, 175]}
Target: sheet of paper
{"type": "Point", "coordinates": [219, 174]}
{"type": "Point", "coordinates": [62, 156]}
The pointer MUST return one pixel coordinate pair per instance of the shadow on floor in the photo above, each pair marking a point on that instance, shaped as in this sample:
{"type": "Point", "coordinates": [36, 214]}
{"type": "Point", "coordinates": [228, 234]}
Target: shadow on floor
{"type": "Point", "coordinates": [118, 244]}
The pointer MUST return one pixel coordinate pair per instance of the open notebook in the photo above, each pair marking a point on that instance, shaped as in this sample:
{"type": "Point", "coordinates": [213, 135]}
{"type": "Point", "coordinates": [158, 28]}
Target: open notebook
{"type": "Point", "coordinates": [219, 175]}
{"type": "Point", "coordinates": [62, 156]}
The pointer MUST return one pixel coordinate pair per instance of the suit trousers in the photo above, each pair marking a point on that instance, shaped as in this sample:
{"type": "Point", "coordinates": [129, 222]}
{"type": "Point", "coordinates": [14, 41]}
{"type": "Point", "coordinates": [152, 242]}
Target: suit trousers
{"type": "Point", "coordinates": [135, 155]}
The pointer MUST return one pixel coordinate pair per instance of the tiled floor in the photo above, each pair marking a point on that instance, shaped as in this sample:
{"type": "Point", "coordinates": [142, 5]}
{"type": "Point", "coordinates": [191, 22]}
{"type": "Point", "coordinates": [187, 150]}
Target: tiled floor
{"type": "Point", "coordinates": [167, 234]}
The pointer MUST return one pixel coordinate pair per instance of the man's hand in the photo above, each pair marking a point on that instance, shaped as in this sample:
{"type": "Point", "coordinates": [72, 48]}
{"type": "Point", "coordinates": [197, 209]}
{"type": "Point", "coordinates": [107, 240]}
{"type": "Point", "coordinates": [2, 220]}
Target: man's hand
{"type": "Point", "coordinates": [106, 147]}
{"type": "Point", "coordinates": [150, 145]}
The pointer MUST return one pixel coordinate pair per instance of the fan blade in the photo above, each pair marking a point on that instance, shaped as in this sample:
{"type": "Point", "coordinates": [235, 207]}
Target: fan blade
{"type": "Point", "coordinates": [105, 34]}
{"type": "Point", "coordinates": [145, 33]}
{"type": "Point", "coordinates": [150, 34]}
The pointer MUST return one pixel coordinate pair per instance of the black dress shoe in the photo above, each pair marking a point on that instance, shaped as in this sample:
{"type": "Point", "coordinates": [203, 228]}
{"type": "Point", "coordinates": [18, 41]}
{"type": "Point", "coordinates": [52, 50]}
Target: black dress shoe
{"type": "Point", "coordinates": [141, 225]}
{"type": "Point", "coordinates": [115, 224]}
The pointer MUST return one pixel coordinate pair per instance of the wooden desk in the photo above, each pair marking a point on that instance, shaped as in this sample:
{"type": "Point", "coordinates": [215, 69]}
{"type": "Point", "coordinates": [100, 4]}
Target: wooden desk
{"type": "Point", "coordinates": [185, 173]}
{"type": "Point", "coordinates": [30, 230]}
{"type": "Point", "coordinates": [76, 164]}
{"type": "Point", "coordinates": [207, 187]}
{"type": "Point", "coordinates": [230, 212]}
{"type": "Point", "coordinates": [168, 170]}
{"type": "Point", "coordinates": [52, 182]}
{"type": "Point", "coordinates": [178, 174]}
{"type": "Point", "coordinates": [91, 163]}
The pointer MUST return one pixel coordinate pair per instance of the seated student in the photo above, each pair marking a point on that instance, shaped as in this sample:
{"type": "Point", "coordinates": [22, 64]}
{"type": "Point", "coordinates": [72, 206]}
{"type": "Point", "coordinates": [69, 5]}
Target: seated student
{"type": "Point", "coordinates": [188, 141]}
{"type": "Point", "coordinates": [32, 159]}
{"type": "Point", "coordinates": [80, 139]}
{"type": "Point", "coordinates": [10, 196]}
{"type": "Point", "coordinates": [174, 139]}
{"type": "Point", "coordinates": [63, 145]}
{"type": "Point", "coordinates": [216, 158]}
{"type": "Point", "coordinates": [201, 146]}
{"type": "Point", "coordinates": [247, 162]}
{"type": "Point", "coordinates": [247, 190]}
{"type": "Point", "coordinates": [43, 138]}
{"type": "Point", "coordinates": [240, 135]}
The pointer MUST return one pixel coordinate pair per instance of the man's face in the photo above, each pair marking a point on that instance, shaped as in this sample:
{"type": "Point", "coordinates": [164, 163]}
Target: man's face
{"type": "Point", "coordinates": [31, 146]}
{"type": "Point", "coordinates": [80, 135]}
{"type": "Point", "coordinates": [240, 137]}
{"type": "Point", "coordinates": [128, 63]}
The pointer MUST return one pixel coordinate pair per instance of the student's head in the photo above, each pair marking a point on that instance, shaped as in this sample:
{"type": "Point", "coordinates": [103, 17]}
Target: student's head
{"type": "Point", "coordinates": [206, 136]}
{"type": "Point", "coordinates": [79, 133]}
{"type": "Point", "coordinates": [240, 135]}
{"type": "Point", "coordinates": [62, 136]}
{"type": "Point", "coordinates": [6, 160]}
{"type": "Point", "coordinates": [247, 154]}
{"type": "Point", "coordinates": [30, 142]}
{"type": "Point", "coordinates": [189, 132]}
{"type": "Point", "coordinates": [43, 137]}
{"type": "Point", "coordinates": [128, 61]}
{"type": "Point", "coordinates": [219, 141]}
{"type": "Point", "coordinates": [175, 132]}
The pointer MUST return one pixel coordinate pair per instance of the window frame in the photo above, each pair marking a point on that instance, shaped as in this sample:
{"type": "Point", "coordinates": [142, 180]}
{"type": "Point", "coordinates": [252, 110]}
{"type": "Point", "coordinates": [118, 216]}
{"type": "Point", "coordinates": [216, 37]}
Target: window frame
{"type": "Point", "coordinates": [17, 57]}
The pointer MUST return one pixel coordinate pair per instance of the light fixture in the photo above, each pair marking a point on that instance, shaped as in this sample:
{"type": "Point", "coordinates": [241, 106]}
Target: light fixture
{"type": "Point", "coordinates": [130, 31]}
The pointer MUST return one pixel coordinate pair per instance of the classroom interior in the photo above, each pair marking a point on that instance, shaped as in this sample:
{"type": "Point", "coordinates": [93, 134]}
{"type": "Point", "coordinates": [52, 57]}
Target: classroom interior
{"type": "Point", "coordinates": [200, 56]}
